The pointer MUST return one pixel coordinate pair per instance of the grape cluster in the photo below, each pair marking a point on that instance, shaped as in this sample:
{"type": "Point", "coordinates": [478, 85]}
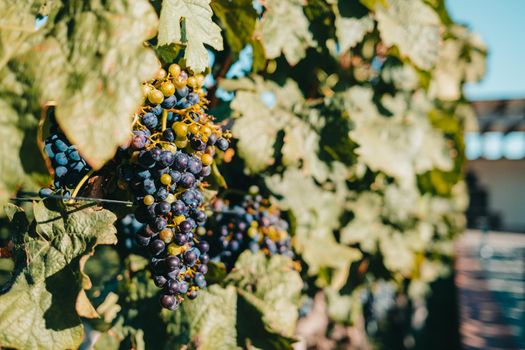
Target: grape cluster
{"type": "Point", "coordinates": [171, 151]}
{"type": "Point", "coordinates": [68, 165]}
{"type": "Point", "coordinates": [253, 224]}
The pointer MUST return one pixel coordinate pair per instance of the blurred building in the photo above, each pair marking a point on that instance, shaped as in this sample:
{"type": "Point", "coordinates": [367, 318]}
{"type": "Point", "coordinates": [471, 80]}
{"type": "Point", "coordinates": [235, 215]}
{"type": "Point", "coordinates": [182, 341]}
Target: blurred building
{"type": "Point", "coordinates": [496, 166]}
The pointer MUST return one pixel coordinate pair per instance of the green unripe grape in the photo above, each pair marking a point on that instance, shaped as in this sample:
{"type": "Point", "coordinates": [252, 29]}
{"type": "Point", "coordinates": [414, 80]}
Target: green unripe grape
{"type": "Point", "coordinates": [161, 74]}
{"type": "Point", "coordinates": [205, 130]}
{"type": "Point", "coordinates": [146, 89]}
{"type": "Point", "coordinates": [201, 231]}
{"type": "Point", "coordinates": [194, 129]}
{"type": "Point", "coordinates": [165, 179]}
{"type": "Point", "coordinates": [179, 82]}
{"type": "Point", "coordinates": [181, 129]}
{"type": "Point", "coordinates": [155, 96]}
{"type": "Point", "coordinates": [200, 79]}
{"type": "Point", "coordinates": [170, 198]}
{"type": "Point", "coordinates": [171, 148]}
{"type": "Point", "coordinates": [167, 88]}
{"type": "Point", "coordinates": [181, 143]}
{"type": "Point", "coordinates": [149, 200]}
{"type": "Point", "coordinates": [192, 81]}
{"type": "Point", "coordinates": [174, 70]}
{"type": "Point", "coordinates": [206, 159]}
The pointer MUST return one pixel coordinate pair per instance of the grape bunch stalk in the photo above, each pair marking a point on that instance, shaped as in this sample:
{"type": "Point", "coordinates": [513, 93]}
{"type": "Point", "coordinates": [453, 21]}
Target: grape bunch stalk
{"type": "Point", "coordinates": [69, 167]}
{"type": "Point", "coordinates": [171, 151]}
{"type": "Point", "coordinates": [254, 223]}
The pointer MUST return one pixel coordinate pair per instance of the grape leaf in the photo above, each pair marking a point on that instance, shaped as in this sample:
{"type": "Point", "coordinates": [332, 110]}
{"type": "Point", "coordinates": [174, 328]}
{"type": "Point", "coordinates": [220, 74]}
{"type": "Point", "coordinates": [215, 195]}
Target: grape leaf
{"type": "Point", "coordinates": [461, 58]}
{"type": "Point", "coordinates": [258, 306]}
{"type": "Point", "coordinates": [263, 108]}
{"type": "Point", "coordinates": [190, 22]}
{"type": "Point", "coordinates": [272, 286]}
{"type": "Point", "coordinates": [317, 213]}
{"type": "Point", "coordinates": [209, 323]}
{"type": "Point", "coordinates": [20, 165]}
{"type": "Point", "coordinates": [401, 145]}
{"type": "Point", "coordinates": [284, 28]}
{"type": "Point", "coordinates": [38, 306]}
{"type": "Point", "coordinates": [414, 27]}
{"type": "Point", "coordinates": [350, 31]}
{"type": "Point", "coordinates": [91, 63]}
{"type": "Point", "coordinates": [238, 18]}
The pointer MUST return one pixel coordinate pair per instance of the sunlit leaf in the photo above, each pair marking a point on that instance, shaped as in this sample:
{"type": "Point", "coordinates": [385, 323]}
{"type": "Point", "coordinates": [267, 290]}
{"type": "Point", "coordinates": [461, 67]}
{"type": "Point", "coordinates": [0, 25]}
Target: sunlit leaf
{"type": "Point", "coordinates": [190, 22]}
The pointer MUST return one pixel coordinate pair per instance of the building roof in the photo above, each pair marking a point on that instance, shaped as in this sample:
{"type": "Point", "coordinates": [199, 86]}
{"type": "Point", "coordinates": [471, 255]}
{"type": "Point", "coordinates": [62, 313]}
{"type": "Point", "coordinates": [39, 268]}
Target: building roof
{"type": "Point", "coordinates": [500, 115]}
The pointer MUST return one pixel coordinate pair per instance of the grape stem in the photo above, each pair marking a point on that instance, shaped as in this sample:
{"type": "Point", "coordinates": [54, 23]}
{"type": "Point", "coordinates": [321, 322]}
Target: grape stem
{"type": "Point", "coordinates": [80, 184]}
{"type": "Point", "coordinates": [164, 119]}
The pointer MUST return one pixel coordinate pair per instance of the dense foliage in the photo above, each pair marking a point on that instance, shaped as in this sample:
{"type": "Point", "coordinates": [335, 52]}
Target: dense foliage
{"type": "Point", "coordinates": [347, 117]}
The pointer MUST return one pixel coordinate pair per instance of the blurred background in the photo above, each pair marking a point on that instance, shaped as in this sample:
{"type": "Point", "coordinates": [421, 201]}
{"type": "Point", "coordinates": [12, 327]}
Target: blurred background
{"type": "Point", "coordinates": [490, 266]}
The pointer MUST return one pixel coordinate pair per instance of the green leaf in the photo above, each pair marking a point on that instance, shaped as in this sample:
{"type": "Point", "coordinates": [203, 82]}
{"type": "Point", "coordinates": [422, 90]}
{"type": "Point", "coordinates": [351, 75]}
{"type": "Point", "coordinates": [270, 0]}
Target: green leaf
{"type": "Point", "coordinates": [259, 122]}
{"type": "Point", "coordinates": [284, 28]}
{"type": "Point", "coordinates": [21, 165]}
{"type": "Point", "coordinates": [258, 307]}
{"type": "Point", "coordinates": [461, 59]}
{"type": "Point", "coordinates": [207, 323]}
{"type": "Point", "coordinates": [400, 145]}
{"type": "Point", "coordinates": [351, 31]}
{"type": "Point", "coordinates": [414, 27]}
{"type": "Point", "coordinates": [38, 308]}
{"type": "Point", "coordinates": [253, 333]}
{"type": "Point", "coordinates": [238, 18]}
{"type": "Point", "coordinates": [190, 22]}
{"type": "Point", "coordinates": [317, 212]}
{"type": "Point", "coordinates": [272, 286]}
{"type": "Point", "coordinates": [92, 63]}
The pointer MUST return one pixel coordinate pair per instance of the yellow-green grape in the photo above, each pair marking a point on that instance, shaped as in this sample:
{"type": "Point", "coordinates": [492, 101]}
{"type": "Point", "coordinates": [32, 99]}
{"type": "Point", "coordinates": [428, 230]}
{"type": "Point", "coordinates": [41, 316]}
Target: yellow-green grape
{"type": "Point", "coordinates": [170, 147]}
{"type": "Point", "coordinates": [205, 130]}
{"type": "Point", "coordinates": [192, 81]}
{"type": "Point", "coordinates": [167, 88]}
{"type": "Point", "coordinates": [194, 129]}
{"type": "Point", "coordinates": [201, 231]}
{"type": "Point", "coordinates": [146, 89]}
{"type": "Point", "coordinates": [174, 249]}
{"type": "Point", "coordinates": [178, 219]}
{"type": "Point", "coordinates": [206, 159]}
{"type": "Point", "coordinates": [161, 74]}
{"type": "Point", "coordinates": [166, 235]}
{"type": "Point", "coordinates": [170, 198]}
{"type": "Point", "coordinates": [179, 82]}
{"type": "Point", "coordinates": [149, 199]}
{"type": "Point", "coordinates": [155, 96]}
{"type": "Point", "coordinates": [200, 79]}
{"type": "Point", "coordinates": [165, 179]}
{"type": "Point", "coordinates": [252, 231]}
{"type": "Point", "coordinates": [174, 70]}
{"type": "Point", "coordinates": [181, 143]}
{"type": "Point", "coordinates": [181, 129]}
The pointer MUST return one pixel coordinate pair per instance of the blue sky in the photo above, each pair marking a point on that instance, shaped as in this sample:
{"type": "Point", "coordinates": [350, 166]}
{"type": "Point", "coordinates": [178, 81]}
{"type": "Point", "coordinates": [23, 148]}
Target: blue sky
{"type": "Point", "coordinates": [501, 24]}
